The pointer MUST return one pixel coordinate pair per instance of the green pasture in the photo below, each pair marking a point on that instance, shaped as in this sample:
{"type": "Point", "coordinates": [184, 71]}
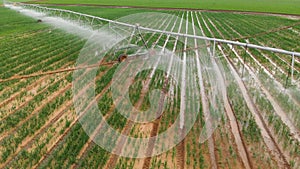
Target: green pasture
{"type": "Point", "coordinates": [271, 6]}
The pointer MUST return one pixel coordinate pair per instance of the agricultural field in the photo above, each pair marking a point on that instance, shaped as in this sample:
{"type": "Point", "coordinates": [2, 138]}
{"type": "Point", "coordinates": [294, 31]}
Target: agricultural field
{"type": "Point", "coordinates": [257, 104]}
{"type": "Point", "coordinates": [271, 6]}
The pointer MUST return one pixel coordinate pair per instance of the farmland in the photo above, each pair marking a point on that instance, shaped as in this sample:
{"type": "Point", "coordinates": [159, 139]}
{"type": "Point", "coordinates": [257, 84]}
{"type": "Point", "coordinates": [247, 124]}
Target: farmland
{"type": "Point", "coordinates": [287, 6]}
{"type": "Point", "coordinates": [261, 103]}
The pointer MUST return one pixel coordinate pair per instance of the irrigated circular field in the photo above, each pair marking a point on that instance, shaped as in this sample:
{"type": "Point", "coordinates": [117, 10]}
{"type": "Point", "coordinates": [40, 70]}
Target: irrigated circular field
{"type": "Point", "coordinates": [241, 104]}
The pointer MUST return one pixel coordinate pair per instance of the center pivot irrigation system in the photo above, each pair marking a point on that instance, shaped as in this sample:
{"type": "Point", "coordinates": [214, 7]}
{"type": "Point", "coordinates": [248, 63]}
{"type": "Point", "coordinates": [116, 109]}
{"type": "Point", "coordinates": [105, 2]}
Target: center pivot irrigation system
{"type": "Point", "coordinates": [97, 22]}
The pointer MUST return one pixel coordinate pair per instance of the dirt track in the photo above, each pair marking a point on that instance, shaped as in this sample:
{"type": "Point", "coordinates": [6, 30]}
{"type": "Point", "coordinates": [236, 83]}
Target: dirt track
{"type": "Point", "coordinates": [267, 135]}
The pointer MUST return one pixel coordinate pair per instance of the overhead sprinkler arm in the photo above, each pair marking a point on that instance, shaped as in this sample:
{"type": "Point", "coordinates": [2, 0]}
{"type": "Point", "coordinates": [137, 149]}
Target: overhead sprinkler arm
{"type": "Point", "coordinates": [296, 54]}
{"type": "Point", "coordinates": [292, 67]}
{"type": "Point", "coordinates": [244, 64]}
{"type": "Point", "coordinates": [143, 40]}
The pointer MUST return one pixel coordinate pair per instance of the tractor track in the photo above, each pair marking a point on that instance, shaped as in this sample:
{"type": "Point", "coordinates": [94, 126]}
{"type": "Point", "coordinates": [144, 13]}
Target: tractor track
{"type": "Point", "coordinates": [180, 148]}
{"type": "Point", "coordinates": [154, 131]}
{"type": "Point", "coordinates": [276, 82]}
{"type": "Point", "coordinates": [278, 110]}
{"type": "Point", "coordinates": [275, 150]}
{"type": "Point", "coordinates": [265, 132]}
{"type": "Point", "coordinates": [87, 146]}
{"type": "Point", "coordinates": [151, 143]}
{"type": "Point", "coordinates": [260, 42]}
{"type": "Point", "coordinates": [205, 105]}
{"type": "Point", "coordinates": [235, 129]}
{"type": "Point", "coordinates": [240, 139]}
{"type": "Point", "coordinates": [120, 143]}
{"type": "Point", "coordinates": [113, 157]}
{"type": "Point", "coordinates": [180, 155]}
{"type": "Point", "coordinates": [89, 143]}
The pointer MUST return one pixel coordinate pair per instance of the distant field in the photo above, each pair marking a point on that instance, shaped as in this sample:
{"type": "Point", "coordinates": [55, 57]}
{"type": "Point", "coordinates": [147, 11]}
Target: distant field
{"type": "Point", "coordinates": [273, 6]}
{"type": "Point", "coordinates": [13, 23]}
{"type": "Point", "coordinates": [109, 13]}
